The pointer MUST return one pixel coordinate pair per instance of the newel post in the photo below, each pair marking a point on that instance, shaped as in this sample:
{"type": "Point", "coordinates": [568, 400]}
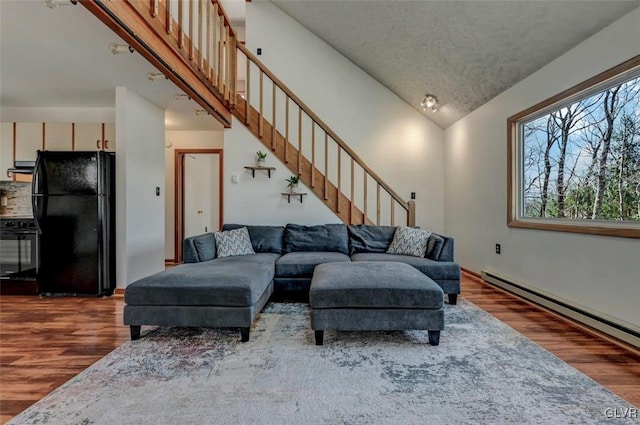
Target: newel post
{"type": "Point", "coordinates": [411, 213]}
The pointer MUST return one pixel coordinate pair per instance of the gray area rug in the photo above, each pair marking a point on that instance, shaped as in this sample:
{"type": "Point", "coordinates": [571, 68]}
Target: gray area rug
{"type": "Point", "coordinates": [483, 372]}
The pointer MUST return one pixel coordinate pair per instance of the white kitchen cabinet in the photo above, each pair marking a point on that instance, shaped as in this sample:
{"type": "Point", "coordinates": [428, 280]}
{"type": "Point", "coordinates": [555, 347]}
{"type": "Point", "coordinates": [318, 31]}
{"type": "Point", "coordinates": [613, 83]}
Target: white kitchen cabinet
{"type": "Point", "coordinates": [88, 136]}
{"type": "Point", "coordinates": [109, 144]}
{"type": "Point", "coordinates": [28, 140]}
{"type": "Point", "coordinates": [57, 136]}
{"type": "Point", "coordinates": [6, 149]}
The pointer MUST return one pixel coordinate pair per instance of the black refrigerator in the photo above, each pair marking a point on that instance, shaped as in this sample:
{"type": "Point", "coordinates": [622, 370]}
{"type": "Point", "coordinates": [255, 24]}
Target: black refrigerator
{"type": "Point", "coordinates": [73, 198]}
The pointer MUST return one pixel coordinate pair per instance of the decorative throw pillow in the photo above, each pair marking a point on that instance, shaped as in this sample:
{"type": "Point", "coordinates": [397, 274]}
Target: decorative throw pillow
{"type": "Point", "coordinates": [205, 246]}
{"type": "Point", "coordinates": [263, 238]}
{"type": "Point", "coordinates": [409, 241]}
{"type": "Point", "coordinates": [231, 243]}
{"type": "Point", "coordinates": [434, 246]}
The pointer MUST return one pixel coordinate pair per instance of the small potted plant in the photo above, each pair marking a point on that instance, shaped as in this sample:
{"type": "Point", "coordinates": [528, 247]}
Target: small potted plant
{"type": "Point", "coordinates": [293, 183]}
{"type": "Point", "coordinates": [261, 157]}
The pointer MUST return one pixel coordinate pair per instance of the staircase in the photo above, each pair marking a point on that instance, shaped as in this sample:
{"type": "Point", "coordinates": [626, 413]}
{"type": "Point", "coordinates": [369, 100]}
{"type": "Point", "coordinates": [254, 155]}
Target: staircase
{"type": "Point", "coordinates": [311, 150]}
{"type": "Point", "coordinates": [193, 43]}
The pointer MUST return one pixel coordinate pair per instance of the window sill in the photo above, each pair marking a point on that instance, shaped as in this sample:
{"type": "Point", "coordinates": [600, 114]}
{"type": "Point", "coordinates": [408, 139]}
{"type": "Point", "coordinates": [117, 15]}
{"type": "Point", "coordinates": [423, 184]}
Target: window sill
{"type": "Point", "coordinates": [629, 231]}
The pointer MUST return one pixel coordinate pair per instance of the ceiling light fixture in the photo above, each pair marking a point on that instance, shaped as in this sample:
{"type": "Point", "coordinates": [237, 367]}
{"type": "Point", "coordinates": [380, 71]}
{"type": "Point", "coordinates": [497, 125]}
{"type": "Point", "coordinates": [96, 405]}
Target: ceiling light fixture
{"type": "Point", "coordinates": [181, 96]}
{"type": "Point", "coordinates": [429, 102]}
{"type": "Point", "coordinates": [152, 76]}
{"type": "Point", "coordinates": [116, 49]}
{"type": "Point", "coordinates": [54, 4]}
{"type": "Point", "coordinates": [201, 112]}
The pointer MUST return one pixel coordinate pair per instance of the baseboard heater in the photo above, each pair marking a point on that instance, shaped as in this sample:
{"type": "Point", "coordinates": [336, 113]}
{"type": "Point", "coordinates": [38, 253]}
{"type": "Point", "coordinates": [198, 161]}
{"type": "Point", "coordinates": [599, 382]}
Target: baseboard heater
{"type": "Point", "coordinates": [581, 314]}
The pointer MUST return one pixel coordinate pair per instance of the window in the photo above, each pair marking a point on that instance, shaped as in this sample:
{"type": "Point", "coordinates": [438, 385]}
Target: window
{"type": "Point", "coordinates": [574, 159]}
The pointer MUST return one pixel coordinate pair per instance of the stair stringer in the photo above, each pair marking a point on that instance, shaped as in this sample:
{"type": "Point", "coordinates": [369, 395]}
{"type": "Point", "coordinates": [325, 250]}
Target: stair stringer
{"type": "Point", "coordinates": [310, 175]}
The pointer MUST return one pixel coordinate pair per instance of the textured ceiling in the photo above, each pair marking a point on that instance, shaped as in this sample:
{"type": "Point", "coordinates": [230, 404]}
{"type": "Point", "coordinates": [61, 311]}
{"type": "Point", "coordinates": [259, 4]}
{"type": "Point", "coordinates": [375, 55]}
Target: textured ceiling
{"type": "Point", "coordinates": [463, 52]}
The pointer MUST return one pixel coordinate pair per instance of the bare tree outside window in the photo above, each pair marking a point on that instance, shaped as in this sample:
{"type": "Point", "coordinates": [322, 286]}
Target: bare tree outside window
{"type": "Point", "coordinates": [582, 160]}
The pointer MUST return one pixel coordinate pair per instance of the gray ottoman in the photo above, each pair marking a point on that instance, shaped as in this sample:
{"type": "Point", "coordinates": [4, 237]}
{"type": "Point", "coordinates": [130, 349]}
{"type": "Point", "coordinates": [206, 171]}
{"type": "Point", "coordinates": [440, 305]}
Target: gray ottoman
{"type": "Point", "coordinates": [226, 292]}
{"type": "Point", "coordinates": [374, 295]}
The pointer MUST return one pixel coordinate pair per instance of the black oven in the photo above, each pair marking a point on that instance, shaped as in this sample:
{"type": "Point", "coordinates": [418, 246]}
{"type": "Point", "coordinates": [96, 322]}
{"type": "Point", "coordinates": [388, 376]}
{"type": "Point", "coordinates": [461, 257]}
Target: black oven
{"type": "Point", "coordinates": [19, 256]}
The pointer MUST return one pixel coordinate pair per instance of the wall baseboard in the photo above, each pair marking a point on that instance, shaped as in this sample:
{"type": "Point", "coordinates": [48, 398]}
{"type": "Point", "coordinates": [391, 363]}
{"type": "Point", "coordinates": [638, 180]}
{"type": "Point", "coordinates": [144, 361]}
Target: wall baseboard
{"type": "Point", "coordinates": [473, 274]}
{"type": "Point", "coordinates": [622, 331]}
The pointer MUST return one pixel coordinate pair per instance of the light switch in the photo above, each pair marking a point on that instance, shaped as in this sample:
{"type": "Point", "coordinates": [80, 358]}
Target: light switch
{"type": "Point", "coordinates": [235, 178]}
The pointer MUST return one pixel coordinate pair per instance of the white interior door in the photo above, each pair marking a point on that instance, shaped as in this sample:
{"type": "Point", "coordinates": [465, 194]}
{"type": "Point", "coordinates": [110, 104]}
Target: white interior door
{"type": "Point", "coordinates": [201, 193]}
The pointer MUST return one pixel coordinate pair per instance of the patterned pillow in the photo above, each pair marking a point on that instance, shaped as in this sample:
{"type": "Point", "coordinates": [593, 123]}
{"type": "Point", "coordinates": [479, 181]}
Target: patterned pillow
{"type": "Point", "coordinates": [231, 243]}
{"type": "Point", "coordinates": [409, 241]}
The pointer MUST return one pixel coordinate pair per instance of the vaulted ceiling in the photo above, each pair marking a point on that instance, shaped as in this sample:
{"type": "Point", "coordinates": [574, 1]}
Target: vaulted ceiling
{"type": "Point", "coordinates": [463, 52]}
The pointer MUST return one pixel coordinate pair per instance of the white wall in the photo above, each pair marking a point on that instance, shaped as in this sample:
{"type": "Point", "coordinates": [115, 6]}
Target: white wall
{"type": "Point", "coordinates": [139, 169]}
{"type": "Point", "coordinates": [398, 142]}
{"type": "Point", "coordinates": [259, 200]}
{"type": "Point", "coordinates": [598, 272]}
{"type": "Point", "coordinates": [182, 140]}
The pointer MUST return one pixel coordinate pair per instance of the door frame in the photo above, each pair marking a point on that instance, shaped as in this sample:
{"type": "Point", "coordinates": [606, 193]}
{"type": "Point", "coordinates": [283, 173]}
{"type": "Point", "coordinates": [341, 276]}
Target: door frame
{"type": "Point", "coordinates": [179, 195]}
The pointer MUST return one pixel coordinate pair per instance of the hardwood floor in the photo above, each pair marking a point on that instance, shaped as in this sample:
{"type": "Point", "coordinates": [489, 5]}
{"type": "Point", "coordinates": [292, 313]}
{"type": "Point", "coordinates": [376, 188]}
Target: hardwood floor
{"type": "Point", "coordinates": [44, 342]}
{"type": "Point", "coordinates": [613, 366]}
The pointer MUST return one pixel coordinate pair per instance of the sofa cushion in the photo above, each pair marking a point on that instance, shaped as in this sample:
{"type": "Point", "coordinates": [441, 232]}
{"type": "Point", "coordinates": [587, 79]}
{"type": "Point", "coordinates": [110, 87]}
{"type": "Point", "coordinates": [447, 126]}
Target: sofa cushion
{"type": "Point", "coordinates": [367, 238]}
{"type": "Point", "coordinates": [236, 242]}
{"type": "Point", "coordinates": [227, 282]}
{"type": "Point", "coordinates": [205, 247]}
{"type": "Point", "coordinates": [263, 238]}
{"type": "Point", "coordinates": [323, 238]}
{"type": "Point", "coordinates": [264, 258]}
{"type": "Point", "coordinates": [302, 264]}
{"type": "Point", "coordinates": [373, 285]}
{"type": "Point", "coordinates": [409, 241]}
{"type": "Point", "coordinates": [434, 246]}
{"type": "Point", "coordinates": [436, 270]}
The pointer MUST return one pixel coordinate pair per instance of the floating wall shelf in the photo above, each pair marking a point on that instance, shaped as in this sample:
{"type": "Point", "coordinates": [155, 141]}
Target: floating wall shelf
{"type": "Point", "coordinates": [290, 194]}
{"type": "Point", "coordinates": [253, 170]}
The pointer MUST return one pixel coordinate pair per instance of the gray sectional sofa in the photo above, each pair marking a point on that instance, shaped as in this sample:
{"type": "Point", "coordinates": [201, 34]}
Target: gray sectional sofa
{"type": "Point", "coordinates": [231, 291]}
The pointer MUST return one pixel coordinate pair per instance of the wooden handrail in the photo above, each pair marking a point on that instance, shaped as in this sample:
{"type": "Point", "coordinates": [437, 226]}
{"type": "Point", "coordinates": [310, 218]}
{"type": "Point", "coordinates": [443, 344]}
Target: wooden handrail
{"type": "Point", "coordinates": [135, 23]}
{"type": "Point", "coordinates": [205, 49]}
{"type": "Point", "coordinates": [227, 21]}
{"type": "Point", "coordinates": [322, 125]}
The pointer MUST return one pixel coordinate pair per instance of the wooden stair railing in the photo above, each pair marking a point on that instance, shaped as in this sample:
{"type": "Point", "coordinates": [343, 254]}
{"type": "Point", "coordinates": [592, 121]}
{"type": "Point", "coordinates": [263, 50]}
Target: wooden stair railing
{"type": "Point", "coordinates": [272, 123]}
{"type": "Point", "coordinates": [193, 43]}
{"type": "Point", "coordinates": [190, 41]}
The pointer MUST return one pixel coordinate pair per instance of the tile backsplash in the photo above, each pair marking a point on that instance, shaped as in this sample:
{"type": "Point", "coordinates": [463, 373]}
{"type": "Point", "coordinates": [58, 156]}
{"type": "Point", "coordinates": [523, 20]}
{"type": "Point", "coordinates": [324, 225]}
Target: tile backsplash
{"type": "Point", "coordinates": [17, 196]}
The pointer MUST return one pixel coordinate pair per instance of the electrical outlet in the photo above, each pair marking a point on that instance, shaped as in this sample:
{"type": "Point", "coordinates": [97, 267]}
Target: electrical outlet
{"type": "Point", "coordinates": [157, 191]}
{"type": "Point", "coordinates": [498, 249]}
{"type": "Point", "coordinates": [413, 195]}
{"type": "Point", "coordinates": [259, 51]}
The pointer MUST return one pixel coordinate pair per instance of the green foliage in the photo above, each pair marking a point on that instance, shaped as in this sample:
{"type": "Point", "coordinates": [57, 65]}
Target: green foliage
{"type": "Point", "coordinates": [261, 155]}
{"type": "Point", "coordinates": [292, 180]}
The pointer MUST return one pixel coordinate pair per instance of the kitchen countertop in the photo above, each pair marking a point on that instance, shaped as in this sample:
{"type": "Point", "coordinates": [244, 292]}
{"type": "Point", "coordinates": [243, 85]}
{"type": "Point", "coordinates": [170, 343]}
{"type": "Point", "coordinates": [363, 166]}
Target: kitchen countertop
{"type": "Point", "coordinates": [15, 217]}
